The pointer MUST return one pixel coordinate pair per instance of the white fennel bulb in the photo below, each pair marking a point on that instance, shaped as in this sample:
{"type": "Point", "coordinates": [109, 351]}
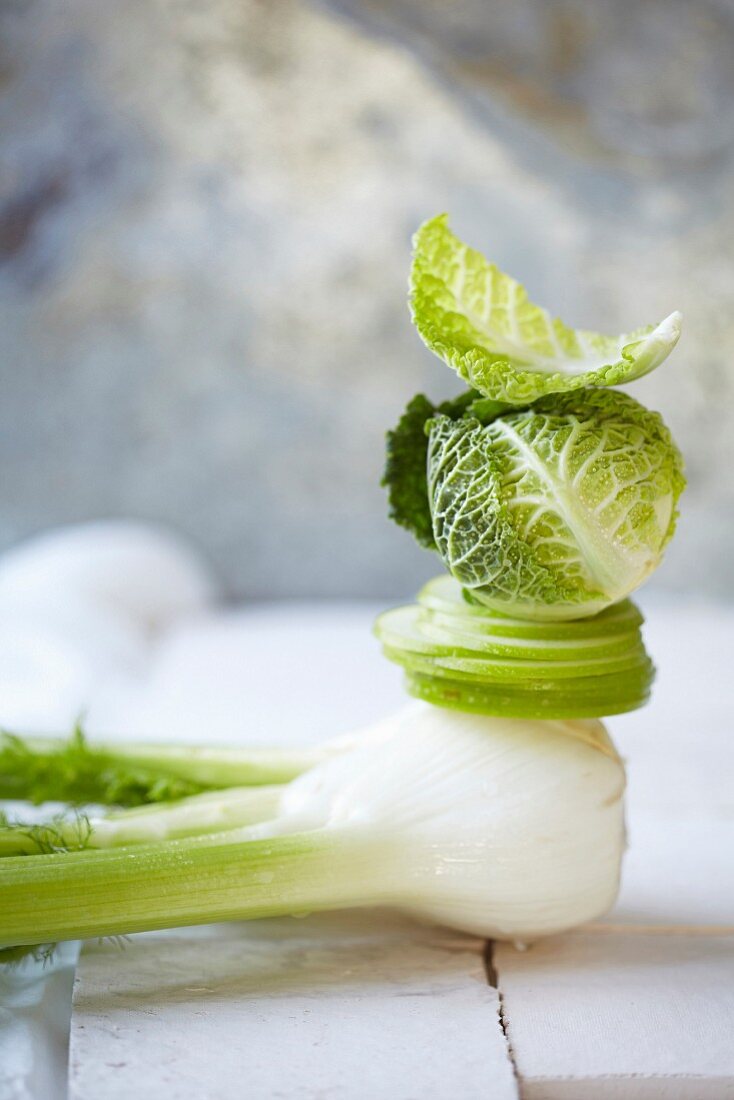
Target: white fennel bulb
{"type": "Point", "coordinates": [504, 827]}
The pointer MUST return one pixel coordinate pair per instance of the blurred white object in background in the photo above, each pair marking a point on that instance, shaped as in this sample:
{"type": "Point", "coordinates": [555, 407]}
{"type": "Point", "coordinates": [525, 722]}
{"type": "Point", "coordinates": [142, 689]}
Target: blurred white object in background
{"type": "Point", "coordinates": [141, 572]}
{"type": "Point", "coordinates": [79, 609]}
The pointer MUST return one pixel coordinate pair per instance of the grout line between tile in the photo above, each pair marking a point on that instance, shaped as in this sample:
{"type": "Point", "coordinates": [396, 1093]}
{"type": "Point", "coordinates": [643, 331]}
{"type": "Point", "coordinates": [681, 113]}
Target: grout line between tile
{"type": "Point", "coordinates": [493, 981]}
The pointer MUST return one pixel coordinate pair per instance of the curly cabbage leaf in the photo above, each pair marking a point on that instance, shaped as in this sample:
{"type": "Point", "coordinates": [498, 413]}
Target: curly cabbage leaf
{"type": "Point", "coordinates": [480, 322]}
{"type": "Point", "coordinates": [556, 511]}
{"type": "Point", "coordinates": [405, 475]}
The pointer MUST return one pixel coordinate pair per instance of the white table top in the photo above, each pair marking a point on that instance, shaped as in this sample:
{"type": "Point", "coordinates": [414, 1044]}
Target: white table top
{"type": "Point", "coordinates": [346, 1007]}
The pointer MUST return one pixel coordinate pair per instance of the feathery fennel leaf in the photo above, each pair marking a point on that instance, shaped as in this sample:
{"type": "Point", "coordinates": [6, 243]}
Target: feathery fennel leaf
{"type": "Point", "coordinates": [64, 832]}
{"type": "Point", "coordinates": [76, 772]}
{"type": "Point", "coordinates": [481, 323]}
{"type": "Point", "coordinates": [43, 953]}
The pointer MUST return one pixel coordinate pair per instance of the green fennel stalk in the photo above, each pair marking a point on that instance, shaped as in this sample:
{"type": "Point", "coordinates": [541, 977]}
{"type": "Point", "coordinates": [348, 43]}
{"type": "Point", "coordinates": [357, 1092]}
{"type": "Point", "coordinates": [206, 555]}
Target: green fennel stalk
{"type": "Point", "coordinates": [213, 878]}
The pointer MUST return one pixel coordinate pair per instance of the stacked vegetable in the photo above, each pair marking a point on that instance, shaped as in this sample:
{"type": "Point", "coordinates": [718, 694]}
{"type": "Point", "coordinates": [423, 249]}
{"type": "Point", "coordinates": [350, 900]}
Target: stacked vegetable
{"type": "Point", "coordinates": [460, 654]}
{"type": "Point", "coordinates": [549, 498]}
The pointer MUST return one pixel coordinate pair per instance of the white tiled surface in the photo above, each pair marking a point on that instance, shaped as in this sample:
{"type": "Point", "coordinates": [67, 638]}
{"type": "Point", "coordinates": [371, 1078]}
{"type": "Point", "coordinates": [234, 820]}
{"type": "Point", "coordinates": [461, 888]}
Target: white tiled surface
{"type": "Point", "coordinates": [635, 1007]}
{"type": "Point", "coordinates": [618, 1016]}
{"type": "Point", "coordinates": [345, 1008]}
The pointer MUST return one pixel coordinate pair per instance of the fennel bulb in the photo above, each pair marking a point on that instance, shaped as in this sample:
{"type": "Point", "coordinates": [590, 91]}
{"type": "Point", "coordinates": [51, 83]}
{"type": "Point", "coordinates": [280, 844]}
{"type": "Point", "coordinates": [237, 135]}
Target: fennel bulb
{"type": "Point", "coordinates": [506, 828]}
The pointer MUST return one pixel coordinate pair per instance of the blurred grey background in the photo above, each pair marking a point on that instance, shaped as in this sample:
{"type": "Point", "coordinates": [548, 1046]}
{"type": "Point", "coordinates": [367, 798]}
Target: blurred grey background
{"type": "Point", "coordinates": [204, 233]}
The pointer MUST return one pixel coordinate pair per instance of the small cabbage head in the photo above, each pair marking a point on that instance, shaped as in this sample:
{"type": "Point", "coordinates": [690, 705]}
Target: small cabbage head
{"type": "Point", "coordinates": [555, 511]}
